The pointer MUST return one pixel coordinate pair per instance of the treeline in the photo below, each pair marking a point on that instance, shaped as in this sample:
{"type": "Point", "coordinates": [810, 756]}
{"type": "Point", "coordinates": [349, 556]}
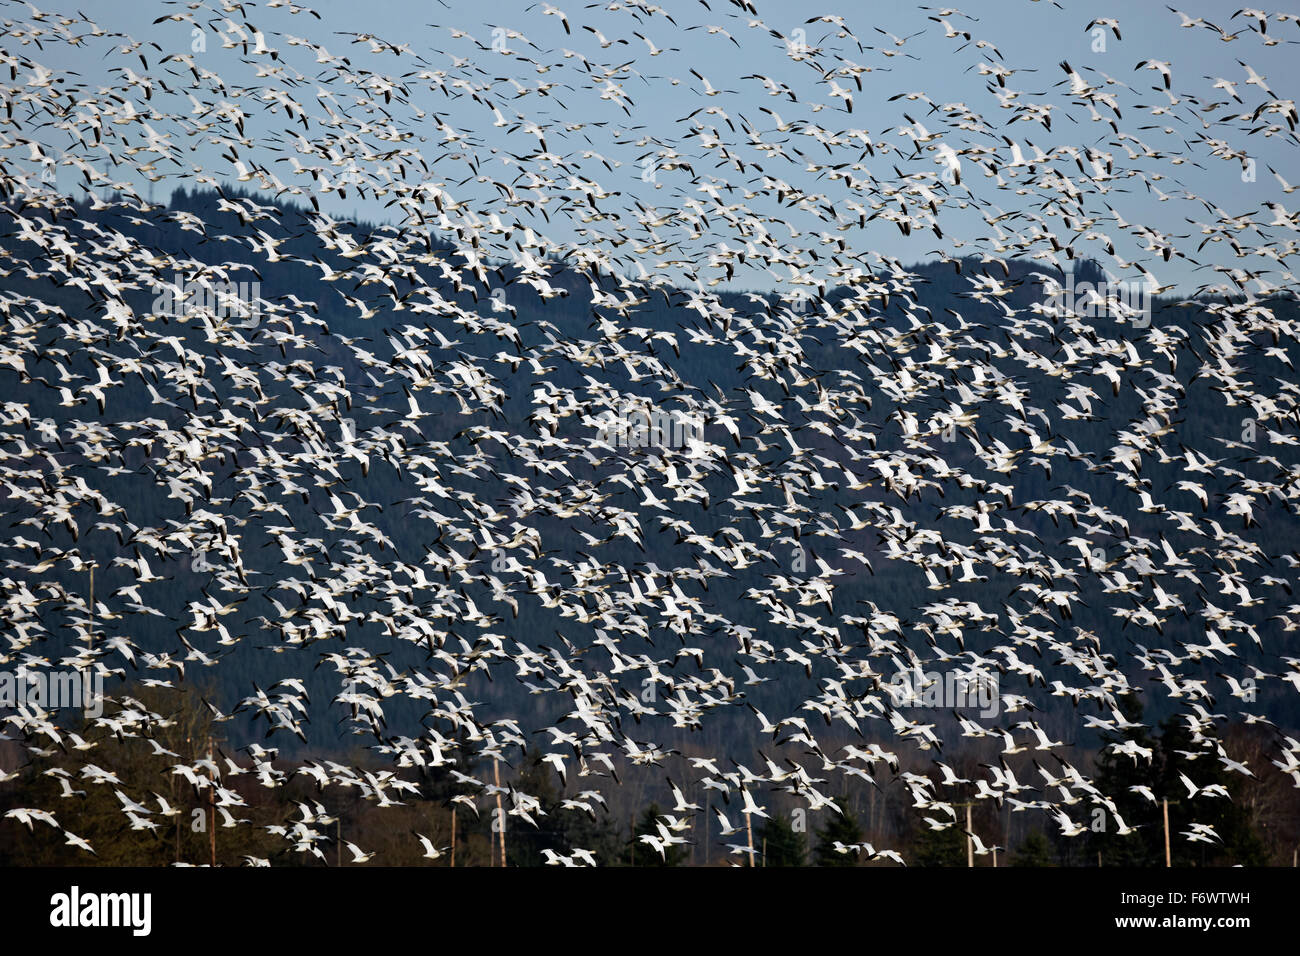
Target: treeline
{"type": "Point", "coordinates": [148, 813]}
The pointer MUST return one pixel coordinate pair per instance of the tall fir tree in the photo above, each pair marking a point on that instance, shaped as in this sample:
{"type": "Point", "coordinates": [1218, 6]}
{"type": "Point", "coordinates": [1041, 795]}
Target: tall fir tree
{"type": "Point", "coordinates": [780, 843]}
{"type": "Point", "coordinates": [842, 828]}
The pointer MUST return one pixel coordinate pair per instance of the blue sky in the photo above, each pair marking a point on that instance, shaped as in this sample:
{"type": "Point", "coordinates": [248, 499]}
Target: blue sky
{"type": "Point", "coordinates": [1032, 36]}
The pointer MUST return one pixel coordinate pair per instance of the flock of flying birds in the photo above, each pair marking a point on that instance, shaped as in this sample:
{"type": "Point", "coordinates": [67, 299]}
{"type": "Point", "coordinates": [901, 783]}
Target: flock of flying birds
{"type": "Point", "coordinates": [525, 166]}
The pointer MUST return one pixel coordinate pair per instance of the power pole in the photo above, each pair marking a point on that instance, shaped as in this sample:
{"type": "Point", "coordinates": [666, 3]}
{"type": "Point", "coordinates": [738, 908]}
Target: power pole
{"type": "Point", "coordinates": [88, 682]}
{"type": "Point", "coordinates": [707, 809]}
{"type": "Point", "coordinates": [970, 847]}
{"type": "Point", "coordinates": [1166, 814]}
{"type": "Point", "coordinates": [176, 801]}
{"type": "Point", "coordinates": [695, 826]}
{"type": "Point", "coordinates": [749, 837]}
{"type": "Point", "coordinates": [212, 805]}
{"type": "Point", "coordinates": [189, 755]}
{"type": "Point", "coordinates": [501, 819]}
{"type": "Point", "coordinates": [453, 836]}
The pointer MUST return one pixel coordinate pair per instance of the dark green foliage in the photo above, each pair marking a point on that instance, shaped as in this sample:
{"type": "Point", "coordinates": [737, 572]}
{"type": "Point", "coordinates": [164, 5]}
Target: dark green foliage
{"type": "Point", "coordinates": [637, 853]}
{"type": "Point", "coordinates": [1034, 850]}
{"type": "Point", "coordinates": [940, 848]}
{"type": "Point", "coordinates": [558, 829]}
{"type": "Point", "coordinates": [844, 829]}
{"type": "Point", "coordinates": [780, 844]}
{"type": "Point", "coordinates": [1175, 754]}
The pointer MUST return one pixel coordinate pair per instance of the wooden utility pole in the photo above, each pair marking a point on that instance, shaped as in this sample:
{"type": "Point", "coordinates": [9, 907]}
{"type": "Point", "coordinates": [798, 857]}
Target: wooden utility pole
{"type": "Point", "coordinates": [695, 825]}
{"type": "Point", "coordinates": [749, 837]}
{"type": "Point", "coordinates": [453, 836]}
{"type": "Point", "coordinates": [708, 808]}
{"type": "Point", "coordinates": [501, 818]}
{"type": "Point", "coordinates": [212, 805]}
{"type": "Point", "coordinates": [1166, 815]}
{"type": "Point", "coordinates": [970, 847]}
{"type": "Point", "coordinates": [90, 632]}
{"type": "Point", "coordinates": [176, 802]}
{"type": "Point", "coordinates": [189, 755]}
{"type": "Point", "coordinates": [88, 685]}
